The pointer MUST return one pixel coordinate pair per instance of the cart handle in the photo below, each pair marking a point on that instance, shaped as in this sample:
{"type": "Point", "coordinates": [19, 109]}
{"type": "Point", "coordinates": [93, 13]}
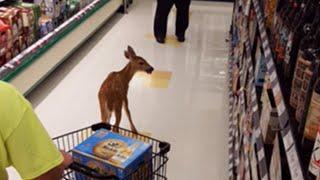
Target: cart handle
{"type": "Point", "coordinates": [98, 126]}
{"type": "Point", "coordinates": [164, 148]}
{"type": "Point", "coordinates": [90, 172]}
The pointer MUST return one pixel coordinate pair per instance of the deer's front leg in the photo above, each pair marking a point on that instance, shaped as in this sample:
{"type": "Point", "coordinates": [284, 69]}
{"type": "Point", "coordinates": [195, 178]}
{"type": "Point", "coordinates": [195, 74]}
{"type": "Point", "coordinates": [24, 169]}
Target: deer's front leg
{"type": "Point", "coordinates": [126, 108]}
{"type": "Point", "coordinates": [117, 111]}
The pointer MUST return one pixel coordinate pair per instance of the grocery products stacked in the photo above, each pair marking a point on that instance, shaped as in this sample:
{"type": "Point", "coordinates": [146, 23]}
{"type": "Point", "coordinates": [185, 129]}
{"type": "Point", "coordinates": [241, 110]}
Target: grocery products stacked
{"type": "Point", "coordinates": [296, 39]}
{"type": "Point", "coordinates": [23, 23]}
{"type": "Point", "coordinates": [281, 39]}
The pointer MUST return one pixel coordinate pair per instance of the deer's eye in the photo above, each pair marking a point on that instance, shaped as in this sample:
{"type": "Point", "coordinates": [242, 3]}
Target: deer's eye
{"type": "Point", "coordinates": [141, 63]}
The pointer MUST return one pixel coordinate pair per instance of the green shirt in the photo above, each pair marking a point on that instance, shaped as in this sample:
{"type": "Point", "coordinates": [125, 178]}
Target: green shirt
{"type": "Point", "coordinates": [24, 143]}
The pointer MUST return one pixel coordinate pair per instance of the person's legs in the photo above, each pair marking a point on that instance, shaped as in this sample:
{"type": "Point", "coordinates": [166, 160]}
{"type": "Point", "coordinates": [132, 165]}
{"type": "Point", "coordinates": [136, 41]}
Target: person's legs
{"type": "Point", "coordinates": [182, 21]}
{"type": "Point", "coordinates": [161, 18]}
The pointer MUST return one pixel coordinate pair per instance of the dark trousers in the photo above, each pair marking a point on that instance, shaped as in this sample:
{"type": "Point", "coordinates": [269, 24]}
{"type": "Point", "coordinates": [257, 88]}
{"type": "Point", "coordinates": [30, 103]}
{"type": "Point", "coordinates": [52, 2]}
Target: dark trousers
{"type": "Point", "coordinates": [161, 17]}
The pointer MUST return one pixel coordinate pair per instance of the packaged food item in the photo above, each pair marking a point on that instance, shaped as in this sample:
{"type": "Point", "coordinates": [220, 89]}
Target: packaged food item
{"type": "Point", "coordinates": [314, 165]}
{"type": "Point", "coordinates": [11, 20]}
{"type": "Point", "coordinates": [313, 121]}
{"type": "Point", "coordinates": [269, 117]}
{"type": "Point", "coordinates": [261, 67]}
{"type": "Point", "coordinates": [73, 7]}
{"type": "Point", "coordinates": [5, 49]}
{"type": "Point", "coordinates": [301, 66]}
{"type": "Point", "coordinates": [29, 31]}
{"type": "Point", "coordinates": [46, 23]}
{"type": "Point", "coordinates": [275, 164]}
{"type": "Point", "coordinates": [63, 16]}
{"type": "Point", "coordinates": [33, 19]}
{"type": "Point", "coordinates": [270, 7]}
{"type": "Point", "coordinates": [13, 17]}
{"type": "Point", "coordinates": [113, 154]}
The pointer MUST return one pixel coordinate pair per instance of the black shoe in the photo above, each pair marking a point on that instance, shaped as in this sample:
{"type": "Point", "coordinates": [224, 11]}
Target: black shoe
{"type": "Point", "coordinates": [181, 38]}
{"type": "Point", "coordinates": [160, 40]}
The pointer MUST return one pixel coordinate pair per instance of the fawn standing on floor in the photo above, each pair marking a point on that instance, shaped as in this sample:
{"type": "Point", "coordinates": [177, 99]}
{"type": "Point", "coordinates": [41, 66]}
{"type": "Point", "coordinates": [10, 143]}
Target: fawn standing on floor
{"type": "Point", "coordinates": [113, 93]}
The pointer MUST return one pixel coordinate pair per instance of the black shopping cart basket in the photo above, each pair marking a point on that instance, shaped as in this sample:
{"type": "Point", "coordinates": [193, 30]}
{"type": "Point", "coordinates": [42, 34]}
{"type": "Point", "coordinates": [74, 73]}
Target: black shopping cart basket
{"type": "Point", "coordinates": [158, 162]}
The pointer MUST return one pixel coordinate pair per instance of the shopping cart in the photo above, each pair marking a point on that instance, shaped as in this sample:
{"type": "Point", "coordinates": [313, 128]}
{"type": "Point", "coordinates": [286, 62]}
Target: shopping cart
{"type": "Point", "coordinates": [158, 162]}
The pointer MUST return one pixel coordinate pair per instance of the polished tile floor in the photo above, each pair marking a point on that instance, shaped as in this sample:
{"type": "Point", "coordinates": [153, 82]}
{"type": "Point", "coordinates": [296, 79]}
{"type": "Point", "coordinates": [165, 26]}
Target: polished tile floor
{"type": "Point", "coordinates": [186, 106]}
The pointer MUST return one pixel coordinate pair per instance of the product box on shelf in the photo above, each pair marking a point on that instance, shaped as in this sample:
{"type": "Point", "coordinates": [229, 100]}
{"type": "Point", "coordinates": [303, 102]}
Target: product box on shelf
{"type": "Point", "coordinates": [50, 8]}
{"type": "Point", "coordinates": [269, 119]}
{"type": "Point", "coordinates": [275, 164]}
{"type": "Point", "coordinates": [5, 49]}
{"type": "Point", "coordinates": [73, 7]}
{"type": "Point", "coordinates": [314, 165]}
{"type": "Point", "coordinates": [12, 17]}
{"type": "Point", "coordinates": [113, 154]}
{"type": "Point", "coordinates": [29, 25]}
{"type": "Point", "coordinates": [301, 66]}
{"type": "Point", "coordinates": [63, 16]}
{"type": "Point", "coordinates": [313, 122]}
{"type": "Point", "coordinates": [32, 18]}
{"type": "Point", "coordinates": [46, 26]}
{"type": "Point", "coordinates": [261, 66]}
{"type": "Point", "coordinates": [305, 94]}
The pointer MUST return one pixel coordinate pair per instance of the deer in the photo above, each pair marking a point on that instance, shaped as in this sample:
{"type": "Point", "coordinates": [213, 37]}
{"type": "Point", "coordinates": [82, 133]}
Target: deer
{"type": "Point", "coordinates": [113, 93]}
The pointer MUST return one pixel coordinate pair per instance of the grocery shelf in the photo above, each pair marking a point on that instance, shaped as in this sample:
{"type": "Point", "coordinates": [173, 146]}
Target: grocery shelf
{"type": "Point", "coordinates": [31, 66]}
{"type": "Point", "coordinates": [245, 132]}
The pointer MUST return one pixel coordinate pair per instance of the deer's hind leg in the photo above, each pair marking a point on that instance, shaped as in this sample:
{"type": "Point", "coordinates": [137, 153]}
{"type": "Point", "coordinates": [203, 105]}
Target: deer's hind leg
{"type": "Point", "coordinates": [104, 110]}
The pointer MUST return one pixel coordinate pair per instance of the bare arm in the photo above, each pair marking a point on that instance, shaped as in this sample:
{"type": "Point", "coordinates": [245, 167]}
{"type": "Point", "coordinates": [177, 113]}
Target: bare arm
{"type": "Point", "coordinates": [56, 173]}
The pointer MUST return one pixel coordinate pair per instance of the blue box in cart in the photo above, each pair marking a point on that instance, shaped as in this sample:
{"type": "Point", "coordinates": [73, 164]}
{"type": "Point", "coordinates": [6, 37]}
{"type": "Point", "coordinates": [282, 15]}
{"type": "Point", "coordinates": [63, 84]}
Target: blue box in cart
{"type": "Point", "coordinates": [112, 154]}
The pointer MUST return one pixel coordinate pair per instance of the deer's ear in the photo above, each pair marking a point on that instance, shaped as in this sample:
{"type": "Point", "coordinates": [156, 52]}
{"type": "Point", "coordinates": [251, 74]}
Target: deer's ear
{"type": "Point", "coordinates": [127, 55]}
{"type": "Point", "coordinates": [131, 51]}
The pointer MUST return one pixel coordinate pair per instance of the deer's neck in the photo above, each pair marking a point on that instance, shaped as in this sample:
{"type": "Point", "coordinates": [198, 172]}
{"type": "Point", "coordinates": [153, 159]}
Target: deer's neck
{"type": "Point", "coordinates": [127, 73]}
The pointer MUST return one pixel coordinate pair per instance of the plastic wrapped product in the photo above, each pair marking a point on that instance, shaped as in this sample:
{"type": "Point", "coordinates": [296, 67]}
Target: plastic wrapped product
{"type": "Point", "coordinates": [313, 121]}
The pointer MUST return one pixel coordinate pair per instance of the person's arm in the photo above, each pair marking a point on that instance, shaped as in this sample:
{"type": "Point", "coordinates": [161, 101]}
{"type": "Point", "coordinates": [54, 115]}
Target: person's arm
{"type": "Point", "coordinates": [31, 150]}
{"type": "Point", "coordinates": [56, 172]}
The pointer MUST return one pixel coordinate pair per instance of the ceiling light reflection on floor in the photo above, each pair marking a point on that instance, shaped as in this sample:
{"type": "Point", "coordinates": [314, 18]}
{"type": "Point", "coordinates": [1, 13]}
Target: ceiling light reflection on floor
{"type": "Point", "coordinates": [158, 79]}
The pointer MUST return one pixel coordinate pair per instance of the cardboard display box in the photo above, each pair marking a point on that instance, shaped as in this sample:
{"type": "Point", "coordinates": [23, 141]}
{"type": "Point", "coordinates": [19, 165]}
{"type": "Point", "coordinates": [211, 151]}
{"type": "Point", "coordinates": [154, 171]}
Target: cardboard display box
{"type": "Point", "coordinates": [112, 154]}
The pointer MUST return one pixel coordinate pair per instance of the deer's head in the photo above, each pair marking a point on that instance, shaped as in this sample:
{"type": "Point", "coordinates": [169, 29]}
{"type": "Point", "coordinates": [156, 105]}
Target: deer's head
{"type": "Point", "coordinates": [137, 63]}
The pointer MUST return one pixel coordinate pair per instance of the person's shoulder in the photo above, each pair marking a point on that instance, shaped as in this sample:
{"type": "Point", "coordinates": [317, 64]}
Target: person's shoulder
{"type": "Point", "coordinates": [7, 90]}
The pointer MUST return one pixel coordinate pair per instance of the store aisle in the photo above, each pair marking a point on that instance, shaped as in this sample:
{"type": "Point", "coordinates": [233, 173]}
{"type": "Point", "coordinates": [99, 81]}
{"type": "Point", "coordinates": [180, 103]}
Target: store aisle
{"type": "Point", "coordinates": [190, 112]}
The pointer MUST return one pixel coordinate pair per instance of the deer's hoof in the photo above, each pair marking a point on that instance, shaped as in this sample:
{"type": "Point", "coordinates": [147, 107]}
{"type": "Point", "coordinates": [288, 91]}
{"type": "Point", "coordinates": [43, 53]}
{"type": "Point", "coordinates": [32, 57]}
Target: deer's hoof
{"type": "Point", "coordinates": [115, 129]}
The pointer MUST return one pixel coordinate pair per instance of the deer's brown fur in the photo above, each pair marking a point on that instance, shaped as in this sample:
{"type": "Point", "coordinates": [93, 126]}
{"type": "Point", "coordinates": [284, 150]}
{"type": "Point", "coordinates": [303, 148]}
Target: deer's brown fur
{"type": "Point", "coordinates": [114, 90]}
